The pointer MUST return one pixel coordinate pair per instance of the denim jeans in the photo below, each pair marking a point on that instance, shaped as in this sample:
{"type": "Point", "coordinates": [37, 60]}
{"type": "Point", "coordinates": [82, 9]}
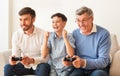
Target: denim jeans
{"type": "Point", "coordinates": [67, 70]}
{"type": "Point", "coordinates": [84, 72]}
{"type": "Point", "coordinates": [43, 69]}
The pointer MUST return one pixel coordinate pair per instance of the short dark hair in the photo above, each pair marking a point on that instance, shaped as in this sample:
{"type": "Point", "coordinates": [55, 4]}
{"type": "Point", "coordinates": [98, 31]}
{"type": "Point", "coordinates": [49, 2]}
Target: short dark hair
{"type": "Point", "coordinates": [64, 18]}
{"type": "Point", "coordinates": [27, 10]}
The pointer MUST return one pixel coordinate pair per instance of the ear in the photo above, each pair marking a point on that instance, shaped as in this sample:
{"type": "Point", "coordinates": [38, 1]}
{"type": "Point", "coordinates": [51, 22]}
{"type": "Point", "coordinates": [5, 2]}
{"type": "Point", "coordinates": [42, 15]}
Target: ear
{"type": "Point", "coordinates": [33, 19]}
{"type": "Point", "coordinates": [64, 23]}
{"type": "Point", "coordinates": [92, 18]}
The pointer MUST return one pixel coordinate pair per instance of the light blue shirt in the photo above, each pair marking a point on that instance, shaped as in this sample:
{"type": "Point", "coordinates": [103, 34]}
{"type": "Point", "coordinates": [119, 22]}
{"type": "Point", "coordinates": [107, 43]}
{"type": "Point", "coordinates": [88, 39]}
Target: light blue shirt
{"type": "Point", "coordinates": [94, 47]}
{"type": "Point", "coordinates": [58, 49]}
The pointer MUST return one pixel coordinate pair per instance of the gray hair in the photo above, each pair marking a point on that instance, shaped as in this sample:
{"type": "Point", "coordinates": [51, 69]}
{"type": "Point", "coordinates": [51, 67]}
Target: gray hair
{"type": "Point", "coordinates": [83, 10]}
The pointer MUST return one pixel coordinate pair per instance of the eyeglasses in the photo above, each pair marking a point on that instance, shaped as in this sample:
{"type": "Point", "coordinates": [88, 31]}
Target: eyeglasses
{"type": "Point", "coordinates": [83, 21]}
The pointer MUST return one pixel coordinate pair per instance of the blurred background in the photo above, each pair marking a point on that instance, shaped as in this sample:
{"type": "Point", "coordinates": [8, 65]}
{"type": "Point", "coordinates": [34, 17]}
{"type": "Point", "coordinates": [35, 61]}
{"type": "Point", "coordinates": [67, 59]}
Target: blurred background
{"type": "Point", "coordinates": [106, 14]}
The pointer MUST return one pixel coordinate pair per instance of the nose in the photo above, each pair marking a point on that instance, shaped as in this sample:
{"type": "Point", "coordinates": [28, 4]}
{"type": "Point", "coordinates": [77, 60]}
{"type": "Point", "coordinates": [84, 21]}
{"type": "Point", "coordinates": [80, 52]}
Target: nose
{"type": "Point", "coordinates": [22, 22]}
{"type": "Point", "coordinates": [80, 23]}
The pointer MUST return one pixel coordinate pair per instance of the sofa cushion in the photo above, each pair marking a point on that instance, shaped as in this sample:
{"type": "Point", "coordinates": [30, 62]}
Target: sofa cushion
{"type": "Point", "coordinates": [115, 65]}
{"type": "Point", "coordinates": [114, 44]}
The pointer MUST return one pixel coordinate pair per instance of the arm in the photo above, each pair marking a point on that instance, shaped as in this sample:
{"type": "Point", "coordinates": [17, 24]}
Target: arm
{"type": "Point", "coordinates": [15, 49]}
{"type": "Point", "coordinates": [103, 49]}
{"type": "Point", "coordinates": [44, 48]}
{"type": "Point", "coordinates": [69, 43]}
{"type": "Point", "coordinates": [100, 58]}
{"type": "Point", "coordinates": [69, 48]}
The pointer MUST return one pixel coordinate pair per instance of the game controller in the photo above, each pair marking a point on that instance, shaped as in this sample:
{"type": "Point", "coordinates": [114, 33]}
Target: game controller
{"type": "Point", "coordinates": [69, 59]}
{"type": "Point", "coordinates": [16, 58]}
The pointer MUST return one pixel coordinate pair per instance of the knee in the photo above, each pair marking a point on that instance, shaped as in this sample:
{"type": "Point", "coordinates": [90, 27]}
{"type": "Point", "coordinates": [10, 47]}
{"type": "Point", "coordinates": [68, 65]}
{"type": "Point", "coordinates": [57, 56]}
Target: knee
{"type": "Point", "coordinates": [8, 68]}
{"type": "Point", "coordinates": [43, 66]}
{"type": "Point", "coordinates": [99, 73]}
{"type": "Point", "coordinates": [43, 69]}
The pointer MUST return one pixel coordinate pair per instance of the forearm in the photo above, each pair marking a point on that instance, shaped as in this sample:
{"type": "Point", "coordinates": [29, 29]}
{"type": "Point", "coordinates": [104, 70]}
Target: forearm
{"type": "Point", "coordinates": [69, 48]}
{"type": "Point", "coordinates": [38, 60]}
{"type": "Point", "coordinates": [35, 61]}
{"type": "Point", "coordinates": [97, 63]}
{"type": "Point", "coordinates": [44, 49]}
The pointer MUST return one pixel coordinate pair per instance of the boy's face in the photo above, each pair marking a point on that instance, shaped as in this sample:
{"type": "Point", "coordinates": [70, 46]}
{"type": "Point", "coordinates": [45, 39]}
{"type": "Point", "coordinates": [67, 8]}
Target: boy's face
{"type": "Point", "coordinates": [58, 24]}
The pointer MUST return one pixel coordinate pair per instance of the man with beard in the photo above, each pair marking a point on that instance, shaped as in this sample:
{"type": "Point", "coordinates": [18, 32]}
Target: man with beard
{"type": "Point", "coordinates": [26, 48]}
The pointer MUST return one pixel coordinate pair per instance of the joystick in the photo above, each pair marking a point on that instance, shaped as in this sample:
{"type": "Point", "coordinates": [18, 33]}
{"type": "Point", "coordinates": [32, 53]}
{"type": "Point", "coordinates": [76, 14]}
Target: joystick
{"type": "Point", "coordinates": [69, 59]}
{"type": "Point", "coordinates": [16, 58]}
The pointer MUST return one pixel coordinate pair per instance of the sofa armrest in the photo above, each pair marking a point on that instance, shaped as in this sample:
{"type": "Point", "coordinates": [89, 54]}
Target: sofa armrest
{"type": "Point", "coordinates": [115, 65]}
{"type": "Point", "coordinates": [114, 44]}
{"type": "Point", "coordinates": [4, 58]}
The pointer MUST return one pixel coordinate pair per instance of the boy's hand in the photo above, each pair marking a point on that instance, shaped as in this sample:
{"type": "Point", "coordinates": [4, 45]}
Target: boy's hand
{"type": "Point", "coordinates": [46, 35]}
{"type": "Point", "coordinates": [64, 33]}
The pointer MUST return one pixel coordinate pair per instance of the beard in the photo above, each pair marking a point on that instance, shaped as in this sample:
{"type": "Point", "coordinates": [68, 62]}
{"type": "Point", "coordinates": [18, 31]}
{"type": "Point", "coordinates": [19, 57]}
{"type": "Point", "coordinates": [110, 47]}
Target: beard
{"type": "Point", "coordinates": [26, 28]}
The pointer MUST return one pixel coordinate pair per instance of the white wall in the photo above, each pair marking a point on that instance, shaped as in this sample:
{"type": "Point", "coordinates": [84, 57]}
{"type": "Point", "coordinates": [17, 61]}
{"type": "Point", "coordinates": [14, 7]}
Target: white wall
{"type": "Point", "coordinates": [106, 12]}
{"type": "Point", "coordinates": [4, 25]}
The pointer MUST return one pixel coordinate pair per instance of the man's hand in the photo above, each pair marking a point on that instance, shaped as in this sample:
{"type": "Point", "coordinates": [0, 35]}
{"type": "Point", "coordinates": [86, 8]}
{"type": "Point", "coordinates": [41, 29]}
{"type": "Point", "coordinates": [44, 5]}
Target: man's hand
{"type": "Point", "coordinates": [78, 62]}
{"type": "Point", "coordinates": [27, 60]}
{"type": "Point", "coordinates": [11, 62]}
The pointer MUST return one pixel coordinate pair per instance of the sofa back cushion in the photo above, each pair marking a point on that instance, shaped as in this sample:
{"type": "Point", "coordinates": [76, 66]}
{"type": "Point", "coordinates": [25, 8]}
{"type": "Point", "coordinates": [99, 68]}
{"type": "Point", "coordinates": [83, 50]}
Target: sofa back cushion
{"type": "Point", "coordinates": [114, 44]}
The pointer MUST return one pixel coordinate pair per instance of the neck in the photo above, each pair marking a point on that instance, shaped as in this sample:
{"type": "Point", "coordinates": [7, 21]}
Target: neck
{"type": "Point", "coordinates": [29, 31]}
{"type": "Point", "coordinates": [59, 34]}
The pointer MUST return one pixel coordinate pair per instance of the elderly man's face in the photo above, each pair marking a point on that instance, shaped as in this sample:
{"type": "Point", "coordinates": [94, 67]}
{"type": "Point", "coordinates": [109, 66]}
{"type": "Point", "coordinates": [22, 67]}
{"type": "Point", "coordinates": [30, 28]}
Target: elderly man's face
{"type": "Point", "coordinates": [84, 22]}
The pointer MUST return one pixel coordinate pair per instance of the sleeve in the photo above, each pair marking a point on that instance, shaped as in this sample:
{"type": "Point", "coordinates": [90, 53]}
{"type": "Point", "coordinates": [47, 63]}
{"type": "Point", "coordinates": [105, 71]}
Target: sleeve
{"type": "Point", "coordinates": [15, 48]}
{"type": "Point", "coordinates": [71, 40]}
{"type": "Point", "coordinates": [103, 54]}
{"type": "Point", "coordinates": [40, 60]}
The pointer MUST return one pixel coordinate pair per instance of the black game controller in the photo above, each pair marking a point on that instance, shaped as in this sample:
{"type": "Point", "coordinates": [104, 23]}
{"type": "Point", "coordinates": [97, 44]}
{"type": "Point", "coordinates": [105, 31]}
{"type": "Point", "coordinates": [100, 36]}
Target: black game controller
{"type": "Point", "coordinates": [16, 58]}
{"type": "Point", "coordinates": [69, 59]}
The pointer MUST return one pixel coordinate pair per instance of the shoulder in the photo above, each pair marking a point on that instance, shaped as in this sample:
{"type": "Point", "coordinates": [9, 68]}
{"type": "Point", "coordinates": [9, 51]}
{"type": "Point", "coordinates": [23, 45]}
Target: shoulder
{"type": "Point", "coordinates": [18, 32]}
{"type": "Point", "coordinates": [102, 33]}
{"type": "Point", "coordinates": [101, 30]}
{"type": "Point", "coordinates": [69, 35]}
{"type": "Point", "coordinates": [39, 30]}
{"type": "Point", "coordinates": [52, 35]}
{"type": "Point", "coordinates": [76, 31]}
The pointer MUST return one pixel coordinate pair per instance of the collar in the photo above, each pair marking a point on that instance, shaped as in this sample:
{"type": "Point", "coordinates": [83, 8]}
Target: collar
{"type": "Point", "coordinates": [55, 35]}
{"type": "Point", "coordinates": [94, 29]}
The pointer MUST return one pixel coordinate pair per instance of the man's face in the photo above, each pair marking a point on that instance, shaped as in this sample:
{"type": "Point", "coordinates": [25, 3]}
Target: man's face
{"type": "Point", "coordinates": [26, 22]}
{"type": "Point", "coordinates": [57, 24]}
{"type": "Point", "coordinates": [84, 22]}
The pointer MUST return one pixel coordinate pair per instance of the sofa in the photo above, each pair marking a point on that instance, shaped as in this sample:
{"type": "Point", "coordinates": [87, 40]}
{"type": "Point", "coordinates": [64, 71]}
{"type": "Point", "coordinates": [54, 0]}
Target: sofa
{"type": "Point", "coordinates": [114, 56]}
